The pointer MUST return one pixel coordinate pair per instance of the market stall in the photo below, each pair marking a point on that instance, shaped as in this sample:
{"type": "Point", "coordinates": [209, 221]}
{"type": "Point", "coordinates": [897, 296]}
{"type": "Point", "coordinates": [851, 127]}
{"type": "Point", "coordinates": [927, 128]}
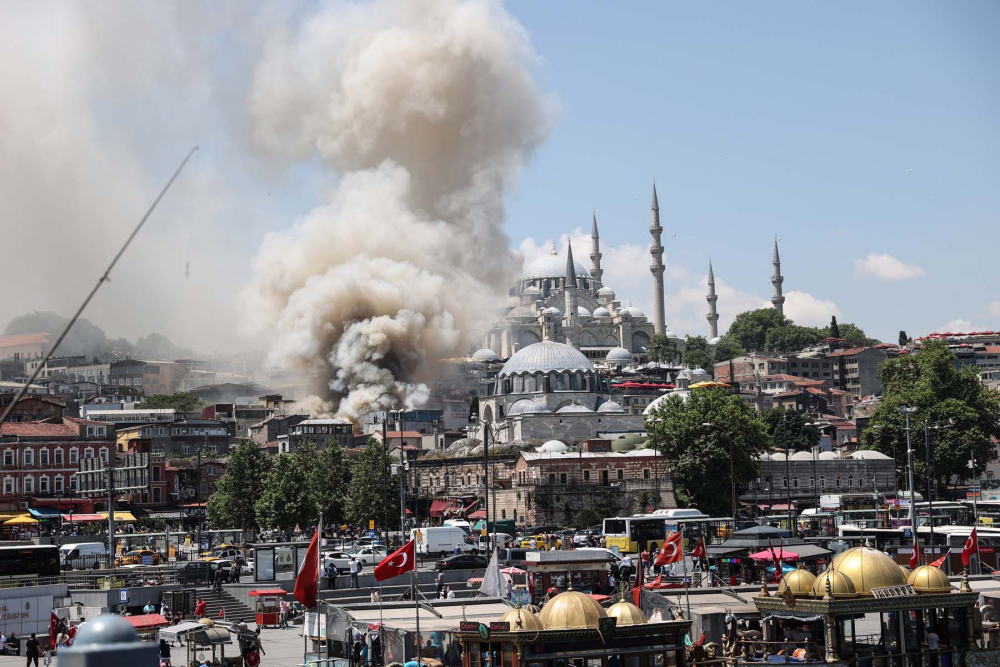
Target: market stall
{"type": "Point", "coordinates": [267, 611]}
{"type": "Point", "coordinates": [199, 638]}
{"type": "Point", "coordinates": [147, 625]}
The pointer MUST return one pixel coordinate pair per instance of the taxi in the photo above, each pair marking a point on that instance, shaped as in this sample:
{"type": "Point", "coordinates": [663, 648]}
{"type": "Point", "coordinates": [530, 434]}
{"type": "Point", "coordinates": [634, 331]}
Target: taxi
{"type": "Point", "coordinates": [138, 557]}
{"type": "Point", "coordinates": [539, 542]}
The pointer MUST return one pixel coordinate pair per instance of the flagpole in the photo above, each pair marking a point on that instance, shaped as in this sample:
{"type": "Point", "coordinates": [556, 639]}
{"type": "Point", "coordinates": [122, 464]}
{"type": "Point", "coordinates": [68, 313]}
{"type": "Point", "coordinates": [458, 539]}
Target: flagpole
{"type": "Point", "coordinates": [687, 594]}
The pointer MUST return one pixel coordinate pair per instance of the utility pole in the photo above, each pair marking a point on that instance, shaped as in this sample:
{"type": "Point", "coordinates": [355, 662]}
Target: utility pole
{"type": "Point", "coordinates": [402, 482]}
{"type": "Point", "coordinates": [928, 476]}
{"type": "Point", "coordinates": [385, 481]}
{"type": "Point", "coordinates": [907, 411]}
{"type": "Point", "coordinates": [110, 472]}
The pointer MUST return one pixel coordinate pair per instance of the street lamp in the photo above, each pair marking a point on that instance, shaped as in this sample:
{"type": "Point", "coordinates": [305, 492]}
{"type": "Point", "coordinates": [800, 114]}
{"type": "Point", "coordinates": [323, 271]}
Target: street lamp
{"type": "Point", "coordinates": [907, 411]}
{"type": "Point", "coordinates": [489, 429]}
{"type": "Point", "coordinates": [927, 472]}
{"type": "Point", "coordinates": [732, 480]}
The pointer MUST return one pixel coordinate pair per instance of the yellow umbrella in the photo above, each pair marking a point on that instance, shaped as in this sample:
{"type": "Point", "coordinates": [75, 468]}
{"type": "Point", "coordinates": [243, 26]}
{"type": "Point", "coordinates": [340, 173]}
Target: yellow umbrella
{"type": "Point", "coordinates": [707, 383]}
{"type": "Point", "coordinates": [18, 520]}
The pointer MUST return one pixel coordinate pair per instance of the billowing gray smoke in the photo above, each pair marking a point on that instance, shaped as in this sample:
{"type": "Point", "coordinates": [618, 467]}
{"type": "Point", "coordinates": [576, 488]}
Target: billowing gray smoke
{"type": "Point", "coordinates": [426, 110]}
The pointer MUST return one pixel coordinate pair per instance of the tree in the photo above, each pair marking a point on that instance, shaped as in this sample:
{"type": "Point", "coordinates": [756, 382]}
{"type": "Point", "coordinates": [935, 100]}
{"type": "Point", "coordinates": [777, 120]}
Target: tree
{"type": "Point", "coordinates": [85, 338]}
{"type": "Point", "coordinates": [233, 505]}
{"type": "Point", "coordinates": [698, 353]}
{"type": "Point", "coordinates": [852, 334]}
{"type": "Point", "coordinates": [945, 396]}
{"type": "Point", "coordinates": [727, 348]}
{"type": "Point", "coordinates": [288, 498]}
{"type": "Point", "coordinates": [158, 346]}
{"type": "Point", "coordinates": [792, 338]}
{"type": "Point", "coordinates": [699, 455]}
{"type": "Point", "coordinates": [662, 348]}
{"type": "Point", "coordinates": [749, 329]}
{"type": "Point", "coordinates": [834, 329]}
{"type": "Point", "coordinates": [903, 338]}
{"type": "Point", "coordinates": [330, 480]}
{"type": "Point", "coordinates": [788, 430]}
{"type": "Point", "coordinates": [182, 402]}
{"type": "Point", "coordinates": [364, 498]}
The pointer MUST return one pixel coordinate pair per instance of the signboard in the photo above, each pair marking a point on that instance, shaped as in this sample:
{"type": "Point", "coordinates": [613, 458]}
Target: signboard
{"type": "Point", "coordinates": [907, 533]}
{"type": "Point", "coordinates": [499, 626]}
{"type": "Point", "coordinates": [130, 472]}
{"type": "Point", "coordinates": [371, 524]}
{"type": "Point", "coordinates": [520, 595]}
{"type": "Point", "coordinates": [172, 554]}
{"type": "Point", "coordinates": [123, 596]}
{"type": "Point", "coordinates": [893, 591]}
{"type": "Point", "coordinates": [147, 560]}
{"type": "Point", "coordinates": [468, 626]}
{"type": "Point", "coordinates": [484, 632]}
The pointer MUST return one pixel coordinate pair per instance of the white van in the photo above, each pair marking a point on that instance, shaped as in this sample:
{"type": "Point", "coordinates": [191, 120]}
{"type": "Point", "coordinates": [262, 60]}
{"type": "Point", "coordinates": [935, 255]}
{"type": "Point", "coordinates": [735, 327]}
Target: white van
{"type": "Point", "coordinates": [442, 540]}
{"type": "Point", "coordinates": [459, 523]}
{"type": "Point", "coordinates": [82, 556]}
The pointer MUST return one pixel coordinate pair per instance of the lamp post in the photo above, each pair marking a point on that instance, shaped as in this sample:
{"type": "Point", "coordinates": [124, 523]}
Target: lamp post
{"type": "Point", "coordinates": [732, 480]}
{"type": "Point", "coordinates": [927, 473]}
{"type": "Point", "coordinates": [907, 411]}
{"type": "Point", "coordinates": [398, 421]}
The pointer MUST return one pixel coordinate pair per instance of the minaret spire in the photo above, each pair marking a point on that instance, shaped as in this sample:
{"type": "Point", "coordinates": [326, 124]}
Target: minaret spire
{"type": "Point", "coordinates": [596, 272]}
{"type": "Point", "coordinates": [778, 300]}
{"type": "Point", "coordinates": [570, 317]}
{"type": "Point", "coordinates": [713, 315]}
{"type": "Point", "coordinates": [656, 268]}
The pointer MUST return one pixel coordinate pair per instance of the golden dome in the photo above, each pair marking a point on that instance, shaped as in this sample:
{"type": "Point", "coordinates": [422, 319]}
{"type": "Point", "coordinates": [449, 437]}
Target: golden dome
{"type": "Point", "coordinates": [627, 614]}
{"type": "Point", "coordinates": [906, 572]}
{"type": "Point", "coordinates": [799, 582]}
{"type": "Point", "coordinates": [571, 610]}
{"type": "Point", "coordinates": [929, 579]}
{"type": "Point", "coordinates": [522, 620]}
{"type": "Point", "coordinates": [840, 586]}
{"type": "Point", "coordinates": [534, 609]}
{"type": "Point", "coordinates": [868, 568]}
{"type": "Point", "coordinates": [207, 622]}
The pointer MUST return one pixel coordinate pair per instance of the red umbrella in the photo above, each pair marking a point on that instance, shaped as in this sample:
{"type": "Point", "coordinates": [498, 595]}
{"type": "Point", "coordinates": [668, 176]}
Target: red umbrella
{"type": "Point", "coordinates": [778, 553]}
{"type": "Point", "coordinates": [512, 570]}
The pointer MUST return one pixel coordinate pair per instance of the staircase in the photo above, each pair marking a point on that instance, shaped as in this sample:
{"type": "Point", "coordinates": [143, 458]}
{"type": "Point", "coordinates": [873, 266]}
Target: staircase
{"type": "Point", "coordinates": [214, 602]}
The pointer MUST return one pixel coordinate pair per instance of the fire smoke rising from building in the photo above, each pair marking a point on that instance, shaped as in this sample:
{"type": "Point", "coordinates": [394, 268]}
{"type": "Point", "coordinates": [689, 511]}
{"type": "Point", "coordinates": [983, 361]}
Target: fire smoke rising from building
{"type": "Point", "coordinates": [427, 111]}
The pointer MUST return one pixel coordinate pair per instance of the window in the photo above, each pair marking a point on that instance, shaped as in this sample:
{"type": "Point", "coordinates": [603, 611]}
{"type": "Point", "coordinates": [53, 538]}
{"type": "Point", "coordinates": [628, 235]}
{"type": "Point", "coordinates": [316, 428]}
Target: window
{"type": "Point", "coordinates": [88, 453]}
{"type": "Point", "coordinates": [562, 478]}
{"type": "Point", "coordinates": [586, 475]}
{"type": "Point", "coordinates": [552, 478]}
{"type": "Point", "coordinates": [157, 494]}
{"type": "Point", "coordinates": [29, 484]}
{"type": "Point", "coordinates": [90, 431]}
{"type": "Point", "coordinates": [186, 449]}
{"type": "Point", "coordinates": [43, 484]}
{"type": "Point", "coordinates": [104, 454]}
{"type": "Point", "coordinates": [156, 473]}
{"type": "Point", "coordinates": [58, 482]}
{"type": "Point", "coordinates": [8, 486]}
{"type": "Point", "coordinates": [28, 457]}
{"type": "Point", "coordinates": [784, 482]}
{"type": "Point", "coordinates": [812, 482]}
{"type": "Point", "coordinates": [74, 456]}
{"type": "Point", "coordinates": [8, 457]}
{"type": "Point", "coordinates": [795, 482]}
{"type": "Point", "coordinates": [204, 488]}
{"type": "Point", "coordinates": [43, 457]}
{"type": "Point", "coordinates": [645, 473]}
{"type": "Point", "coordinates": [836, 482]}
{"type": "Point", "coordinates": [621, 474]}
{"type": "Point", "coordinates": [208, 471]}
{"type": "Point", "coordinates": [850, 481]}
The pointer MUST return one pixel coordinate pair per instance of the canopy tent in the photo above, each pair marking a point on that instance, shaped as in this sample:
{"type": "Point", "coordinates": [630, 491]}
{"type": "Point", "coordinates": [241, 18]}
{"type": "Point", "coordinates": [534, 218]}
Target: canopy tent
{"type": "Point", "coordinates": [83, 518]}
{"type": "Point", "coordinates": [782, 554]}
{"type": "Point", "coordinates": [512, 570]}
{"type": "Point", "coordinates": [44, 512]}
{"type": "Point", "coordinates": [478, 514]}
{"type": "Point", "coordinates": [146, 621]}
{"type": "Point", "coordinates": [125, 517]}
{"type": "Point", "coordinates": [267, 592]}
{"type": "Point", "coordinates": [24, 519]}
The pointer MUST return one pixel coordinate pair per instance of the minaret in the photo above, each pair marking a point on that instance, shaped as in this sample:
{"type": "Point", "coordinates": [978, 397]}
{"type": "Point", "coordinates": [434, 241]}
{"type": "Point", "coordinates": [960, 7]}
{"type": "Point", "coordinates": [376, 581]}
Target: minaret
{"type": "Point", "coordinates": [713, 315]}
{"type": "Point", "coordinates": [656, 268]}
{"type": "Point", "coordinates": [596, 273]}
{"type": "Point", "coordinates": [777, 300]}
{"type": "Point", "coordinates": [570, 316]}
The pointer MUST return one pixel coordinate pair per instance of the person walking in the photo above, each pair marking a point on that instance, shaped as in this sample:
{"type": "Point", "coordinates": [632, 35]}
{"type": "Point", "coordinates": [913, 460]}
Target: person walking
{"type": "Point", "coordinates": [31, 650]}
{"type": "Point", "coordinates": [439, 586]}
{"type": "Point", "coordinates": [200, 608]}
{"type": "Point", "coordinates": [235, 572]}
{"type": "Point", "coordinates": [283, 615]}
{"type": "Point", "coordinates": [354, 571]}
{"type": "Point", "coordinates": [331, 575]}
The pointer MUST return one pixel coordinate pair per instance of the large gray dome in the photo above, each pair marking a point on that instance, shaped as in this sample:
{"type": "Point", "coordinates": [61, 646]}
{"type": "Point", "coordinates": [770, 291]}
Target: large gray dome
{"type": "Point", "coordinates": [544, 357]}
{"type": "Point", "coordinates": [618, 355]}
{"type": "Point", "coordinates": [526, 406]}
{"type": "Point", "coordinates": [553, 266]}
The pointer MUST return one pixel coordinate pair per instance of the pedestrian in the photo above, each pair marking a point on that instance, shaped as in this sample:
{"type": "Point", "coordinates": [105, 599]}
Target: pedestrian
{"type": "Point", "coordinates": [149, 608]}
{"type": "Point", "coordinates": [47, 657]}
{"type": "Point", "coordinates": [439, 585]}
{"type": "Point", "coordinates": [331, 575]}
{"type": "Point", "coordinates": [31, 650]}
{"type": "Point", "coordinates": [234, 572]}
{"type": "Point", "coordinates": [165, 610]}
{"type": "Point", "coordinates": [283, 614]}
{"type": "Point", "coordinates": [510, 589]}
{"type": "Point", "coordinates": [200, 608]}
{"type": "Point", "coordinates": [375, 597]}
{"type": "Point", "coordinates": [450, 593]}
{"type": "Point", "coordinates": [533, 543]}
{"type": "Point", "coordinates": [354, 571]}
{"type": "Point", "coordinates": [457, 550]}
{"type": "Point", "coordinates": [164, 651]}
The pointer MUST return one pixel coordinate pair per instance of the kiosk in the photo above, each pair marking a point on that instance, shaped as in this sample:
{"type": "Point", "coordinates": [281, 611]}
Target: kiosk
{"type": "Point", "coordinates": [268, 612]}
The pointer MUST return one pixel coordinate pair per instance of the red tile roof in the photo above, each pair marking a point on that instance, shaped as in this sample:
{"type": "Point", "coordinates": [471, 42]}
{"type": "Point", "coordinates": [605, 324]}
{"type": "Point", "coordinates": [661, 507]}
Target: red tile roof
{"type": "Point", "coordinates": [68, 428]}
{"type": "Point", "coordinates": [24, 339]}
{"type": "Point", "coordinates": [816, 391]}
{"type": "Point", "coordinates": [846, 353]}
{"type": "Point", "coordinates": [395, 434]}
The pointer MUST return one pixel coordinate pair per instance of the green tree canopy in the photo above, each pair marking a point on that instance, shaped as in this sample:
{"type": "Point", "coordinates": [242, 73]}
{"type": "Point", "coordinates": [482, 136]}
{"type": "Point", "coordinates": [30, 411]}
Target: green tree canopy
{"type": "Point", "coordinates": [699, 455]}
{"type": "Point", "coordinates": [787, 429]}
{"type": "Point", "coordinates": [662, 348]}
{"type": "Point", "coordinates": [698, 353]}
{"type": "Point", "coordinates": [791, 338]}
{"type": "Point", "coordinates": [85, 338]}
{"type": "Point", "coordinates": [727, 348]}
{"type": "Point", "coordinates": [181, 402]}
{"type": "Point", "coordinates": [945, 396]}
{"type": "Point", "coordinates": [330, 480]}
{"type": "Point", "coordinates": [852, 334]}
{"type": "Point", "coordinates": [749, 329]}
{"type": "Point", "coordinates": [233, 505]}
{"type": "Point", "coordinates": [364, 498]}
{"type": "Point", "coordinates": [288, 497]}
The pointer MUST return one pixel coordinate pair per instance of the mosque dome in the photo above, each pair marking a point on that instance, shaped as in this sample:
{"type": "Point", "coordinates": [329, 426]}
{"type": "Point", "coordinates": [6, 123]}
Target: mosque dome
{"type": "Point", "coordinates": [553, 266]}
{"type": "Point", "coordinates": [526, 406]}
{"type": "Point", "coordinates": [606, 292]}
{"type": "Point", "coordinates": [601, 311]}
{"type": "Point", "coordinates": [929, 579]}
{"type": "Point", "coordinates": [512, 301]}
{"type": "Point", "coordinates": [572, 610]}
{"type": "Point", "coordinates": [699, 374]}
{"type": "Point", "coordinates": [868, 568]}
{"type": "Point", "coordinates": [544, 357]}
{"type": "Point", "coordinates": [627, 614]}
{"type": "Point", "coordinates": [553, 311]}
{"type": "Point", "coordinates": [671, 334]}
{"type": "Point", "coordinates": [714, 341]}
{"type": "Point", "coordinates": [840, 586]}
{"type": "Point", "coordinates": [626, 443]}
{"type": "Point", "coordinates": [633, 311]}
{"type": "Point", "coordinates": [521, 311]}
{"type": "Point", "coordinates": [799, 582]}
{"type": "Point", "coordinates": [906, 572]}
{"type": "Point", "coordinates": [611, 406]}
{"type": "Point", "coordinates": [531, 290]}
{"type": "Point", "coordinates": [485, 355]}
{"type": "Point", "coordinates": [573, 407]}
{"type": "Point", "coordinates": [583, 312]}
{"type": "Point", "coordinates": [522, 620]}
{"type": "Point", "coordinates": [618, 355]}
{"type": "Point", "coordinates": [554, 447]}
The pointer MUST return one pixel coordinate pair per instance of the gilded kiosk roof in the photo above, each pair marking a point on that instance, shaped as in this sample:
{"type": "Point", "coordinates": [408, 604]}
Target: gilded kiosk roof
{"type": "Point", "coordinates": [544, 357]}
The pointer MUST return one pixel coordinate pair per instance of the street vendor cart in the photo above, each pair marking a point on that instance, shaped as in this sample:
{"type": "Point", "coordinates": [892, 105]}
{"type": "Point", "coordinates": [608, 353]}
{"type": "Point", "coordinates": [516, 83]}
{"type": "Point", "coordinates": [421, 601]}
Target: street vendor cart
{"type": "Point", "coordinates": [147, 625]}
{"type": "Point", "coordinates": [268, 612]}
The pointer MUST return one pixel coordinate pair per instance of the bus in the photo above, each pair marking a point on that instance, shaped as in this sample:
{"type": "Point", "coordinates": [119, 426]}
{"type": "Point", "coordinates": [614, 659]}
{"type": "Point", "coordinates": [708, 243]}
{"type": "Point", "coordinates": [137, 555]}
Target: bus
{"type": "Point", "coordinates": [644, 532]}
{"type": "Point", "coordinates": [28, 562]}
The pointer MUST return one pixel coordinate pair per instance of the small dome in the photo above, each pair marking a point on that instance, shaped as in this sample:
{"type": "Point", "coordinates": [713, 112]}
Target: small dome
{"type": "Point", "coordinates": [573, 407]}
{"type": "Point", "coordinates": [526, 406]}
{"type": "Point", "coordinates": [799, 582]}
{"type": "Point", "coordinates": [868, 568]}
{"type": "Point", "coordinates": [929, 579]}
{"type": "Point", "coordinates": [583, 312]}
{"type": "Point", "coordinates": [606, 292]}
{"type": "Point", "coordinates": [801, 456]}
{"type": "Point", "coordinates": [840, 586]}
{"type": "Point", "coordinates": [544, 357]}
{"type": "Point", "coordinates": [521, 312]}
{"type": "Point", "coordinates": [827, 456]}
{"type": "Point", "coordinates": [699, 373]}
{"type": "Point", "coordinates": [626, 443]}
{"type": "Point", "coordinates": [611, 406]}
{"type": "Point", "coordinates": [553, 447]}
{"type": "Point", "coordinates": [572, 610]}
{"type": "Point", "coordinates": [601, 311]}
{"type": "Point", "coordinates": [906, 572]}
{"type": "Point", "coordinates": [868, 455]}
{"type": "Point", "coordinates": [618, 355]}
{"type": "Point", "coordinates": [485, 355]}
{"type": "Point", "coordinates": [633, 311]}
{"type": "Point", "coordinates": [555, 312]}
{"type": "Point", "coordinates": [531, 290]}
{"type": "Point", "coordinates": [714, 341]}
{"type": "Point", "coordinates": [207, 622]}
{"type": "Point", "coordinates": [522, 620]}
{"type": "Point", "coordinates": [627, 614]}
{"type": "Point", "coordinates": [671, 334]}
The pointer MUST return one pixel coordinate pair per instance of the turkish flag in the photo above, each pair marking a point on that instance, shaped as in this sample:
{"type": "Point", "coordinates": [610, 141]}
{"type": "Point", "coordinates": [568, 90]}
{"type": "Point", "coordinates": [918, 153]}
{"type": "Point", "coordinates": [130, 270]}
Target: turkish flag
{"type": "Point", "coordinates": [672, 551]}
{"type": "Point", "coordinates": [940, 561]}
{"type": "Point", "coordinates": [307, 580]}
{"type": "Point", "coordinates": [222, 613]}
{"type": "Point", "coordinates": [915, 554]}
{"type": "Point", "coordinates": [779, 571]}
{"type": "Point", "coordinates": [971, 547]}
{"type": "Point", "coordinates": [637, 586]}
{"type": "Point", "coordinates": [700, 551]}
{"type": "Point", "coordinates": [396, 563]}
{"type": "Point", "coordinates": [53, 624]}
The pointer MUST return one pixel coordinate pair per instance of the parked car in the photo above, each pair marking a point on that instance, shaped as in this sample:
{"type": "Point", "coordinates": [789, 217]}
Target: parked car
{"type": "Point", "coordinates": [539, 542]}
{"type": "Point", "coordinates": [83, 555]}
{"type": "Point", "coordinates": [514, 557]}
{"type": "Point", "coordinates": [461, 562]}
{"type": "Point", "coordinates": [193, 573]}
{"type": "Point", "coordinates": [371, 555]}
{"type": "Point", "coordinates": [340, 559]}
{"type": "Point", "coordinates": [138, 557]}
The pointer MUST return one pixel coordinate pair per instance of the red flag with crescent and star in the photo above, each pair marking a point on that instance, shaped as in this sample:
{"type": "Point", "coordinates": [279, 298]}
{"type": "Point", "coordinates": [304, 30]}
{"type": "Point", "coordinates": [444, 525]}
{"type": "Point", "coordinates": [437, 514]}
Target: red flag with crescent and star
{"type": "Point", "coordinates": [307, 579]}
{"type": "Point", "coordinates": [971, 547]}
{"type": "Point", "coordinates": [915, 554]}
{"type": "Point", "coordinates": [396, 563]}
{"type": "Point", "coordinates": [672, 551]}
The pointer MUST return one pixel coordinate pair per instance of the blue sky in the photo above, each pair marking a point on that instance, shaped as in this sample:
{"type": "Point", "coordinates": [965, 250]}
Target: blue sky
{"type": "Point", "coordinates": [844, 128]}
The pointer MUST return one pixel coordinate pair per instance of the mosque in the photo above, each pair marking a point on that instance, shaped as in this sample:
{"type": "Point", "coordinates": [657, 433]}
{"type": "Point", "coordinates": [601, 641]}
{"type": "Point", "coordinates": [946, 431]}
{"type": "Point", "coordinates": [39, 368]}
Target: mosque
{"type": "Point", "coordinates": [558, 299]}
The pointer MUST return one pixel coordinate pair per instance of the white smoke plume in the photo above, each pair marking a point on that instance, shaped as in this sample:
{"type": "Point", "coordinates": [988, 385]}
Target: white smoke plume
{"type": "Point", "coordinates": [426, 110]}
